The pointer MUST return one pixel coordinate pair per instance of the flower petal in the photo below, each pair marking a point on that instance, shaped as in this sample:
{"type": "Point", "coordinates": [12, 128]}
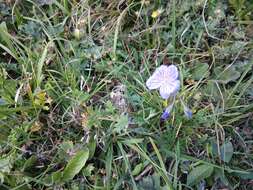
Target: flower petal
{"type": "Point", "coordinates": [172, 72]}
{"type": "Point", "coordinates": [153, 83]}
{"type": "Point", "coordinates": [156, 79]}
{"type": "Point", "coordinates": [170, 89]}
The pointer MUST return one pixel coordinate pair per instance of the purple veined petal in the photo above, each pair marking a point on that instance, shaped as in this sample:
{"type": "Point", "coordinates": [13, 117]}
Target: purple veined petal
{"type": "Point", "coordinates": [153, 82]}
{"type": "Point", "coordinates": [168, 72]}
{"type": "Point", "coordinates": [169, 89]}
{"type": "Point", "coordinates": [172, 72]}
{"type": "Point", "coordinates": [157, 78]}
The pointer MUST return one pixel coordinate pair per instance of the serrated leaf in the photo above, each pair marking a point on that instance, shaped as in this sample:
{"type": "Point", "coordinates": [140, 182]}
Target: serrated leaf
{"type": "Point", "coordinates": [226, 75]}
{"type": "Point", "coordinates": [121, 124]}
{"type": "Point", "coordinates": [32, 29]}
{"type": "Point", "coordinates": [65, 148]}
{"type": "Point", "coordinates": [75, 165]}
{"type": "Point", "coordinates": [227, 152]}
{"type": "Point", "coordinates": [6, 163]}
{"type": "Point", "coordinates": [199, 173]}
{"type": "Point", "coordinates": [199, 70]}
{"type": "Point", "coordinates": [88, 170]}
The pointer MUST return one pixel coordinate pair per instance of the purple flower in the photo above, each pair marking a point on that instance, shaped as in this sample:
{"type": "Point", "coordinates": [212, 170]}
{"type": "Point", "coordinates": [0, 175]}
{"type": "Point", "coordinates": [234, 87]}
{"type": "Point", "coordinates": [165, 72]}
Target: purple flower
{"type": "Point", "coordinates": [165, 78]}
{"type": "Point", "coordinates": [165, 115]}
{"type": "Point", "coordinates": [166, 112]}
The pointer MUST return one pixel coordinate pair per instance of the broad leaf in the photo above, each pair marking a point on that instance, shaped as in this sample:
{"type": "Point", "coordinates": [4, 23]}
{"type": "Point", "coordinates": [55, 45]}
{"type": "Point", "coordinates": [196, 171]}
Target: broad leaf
{"type": "Point", "coordinates": [200, 70]}
{"type": "Point", "coordinates": [244, 174]}
{"type": "Point", "coordinates": [226, 75]}
{"type": "Point", "coordinates": [75, 165]}
{"type": "Point", "coordinates": [226, 151]}
{"type": "Point", "coordinates": [151, 182]}
{"type": "Point", "coordinates": [219, 174]}
{"type": "Point", "coordinates": [199, 173]}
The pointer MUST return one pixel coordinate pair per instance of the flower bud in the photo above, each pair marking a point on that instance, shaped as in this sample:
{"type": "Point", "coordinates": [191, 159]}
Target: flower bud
{"type": "Point", "coordinates": [187, 112]}
{"type": "Point", "coordinates": [166, 112]}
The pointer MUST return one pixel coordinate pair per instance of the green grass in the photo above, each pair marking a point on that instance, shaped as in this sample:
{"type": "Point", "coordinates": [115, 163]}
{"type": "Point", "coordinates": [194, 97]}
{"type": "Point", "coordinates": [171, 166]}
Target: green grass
{"type": "Point", "coordinates": [75, 112]}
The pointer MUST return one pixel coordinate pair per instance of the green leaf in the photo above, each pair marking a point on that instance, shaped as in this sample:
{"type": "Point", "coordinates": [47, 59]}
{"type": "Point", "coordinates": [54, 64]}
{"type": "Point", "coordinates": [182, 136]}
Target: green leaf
{"type": "Point", "coordinates": [39, 75]}
{"type": "Point", "coordinates": [32, 29]}
{"type": "Point", "coordinates": [137, 169]}
{"type": "Point", "coordinates": [87, 171]}
{"type": "Point", "coordinates": [92, 147]}
{"type": "Point", "coordinates": [6, 163]}
{"type": "Point", "coordinates": [1, 177]}
{"type": "Point", "coordinates": [75, 165]}
{"type": "Point", "coordinates": [226, 75]}
{"type": "Point", "coordinates": [211, 90]}
{"type": "Point", "coordinates": [200, 70]}
{"type": "Point", "coordinates": [246, 175]}
{"type": "Point", "coordinates": [226, 151]}
{"type": "Point", "coordinates": [5, 36]}
{"type": "Point", "coordinates": [29, 163]}
{"type": "Point", "coordinates": [219, 174]}
{"type": "Point", "coordinates": [121, 124]}
{"type": "Point", "coordinates": [65, 148]}
{"type": "Point", "coordinates": [199, 173]}
{"type": "Point", "coordinates": [150, 182]}
{"type": "Point", "coordinates": [56, 177]}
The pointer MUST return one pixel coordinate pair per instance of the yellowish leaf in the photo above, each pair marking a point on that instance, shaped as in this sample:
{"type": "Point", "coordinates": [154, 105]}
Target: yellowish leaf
{"type": "Point", "coordinates": [36, 126]}
{"type": "Point", "coordinates": [40, 98]}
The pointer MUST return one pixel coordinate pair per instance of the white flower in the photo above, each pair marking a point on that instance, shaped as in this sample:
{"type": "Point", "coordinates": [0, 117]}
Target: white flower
{"type": "Point", "coordinates": [165, 78]}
